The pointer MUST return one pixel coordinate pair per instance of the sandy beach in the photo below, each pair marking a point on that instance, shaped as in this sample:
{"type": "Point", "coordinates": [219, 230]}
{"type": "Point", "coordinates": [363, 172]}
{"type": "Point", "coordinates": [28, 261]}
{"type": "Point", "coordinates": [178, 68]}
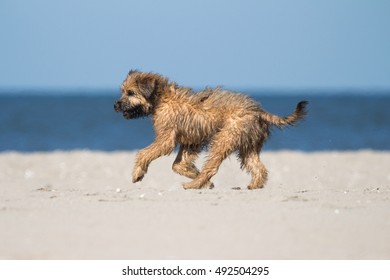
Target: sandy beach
{"type": "Point", "coordinates": [82, 205]}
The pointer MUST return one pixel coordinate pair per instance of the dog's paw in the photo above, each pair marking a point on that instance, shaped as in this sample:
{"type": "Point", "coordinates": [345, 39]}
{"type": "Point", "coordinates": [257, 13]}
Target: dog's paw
{"type": "Point", "coordinates": [138, 174]}
{"type": "Point", "coordinates": [209, 185]}
{"type": "Point", "coordinates": [255, 187]}
{"type": "Point", "coordinates": [196, 185]}
{"type": "Point", "coordinates": [191, 185]}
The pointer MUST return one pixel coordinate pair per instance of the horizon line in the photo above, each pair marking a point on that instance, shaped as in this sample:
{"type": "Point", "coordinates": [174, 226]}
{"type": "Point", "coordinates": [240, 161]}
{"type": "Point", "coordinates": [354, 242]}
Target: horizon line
{"type": "Point", "coordinates": [54, 91]}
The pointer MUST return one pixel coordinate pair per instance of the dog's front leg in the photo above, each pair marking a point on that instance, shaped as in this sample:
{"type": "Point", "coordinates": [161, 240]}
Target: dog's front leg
{"type": "Point", "coordinates": [160, 147]}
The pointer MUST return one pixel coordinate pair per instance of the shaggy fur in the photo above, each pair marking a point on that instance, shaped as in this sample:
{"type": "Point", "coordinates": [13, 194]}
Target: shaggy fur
{"type": "Point", "coordinates": [224, 121]}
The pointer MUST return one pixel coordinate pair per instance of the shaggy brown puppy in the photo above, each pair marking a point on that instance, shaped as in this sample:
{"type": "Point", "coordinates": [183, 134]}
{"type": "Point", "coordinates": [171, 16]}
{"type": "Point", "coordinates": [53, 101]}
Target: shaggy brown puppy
{"type": "Point", "coordinates": [224, 121]}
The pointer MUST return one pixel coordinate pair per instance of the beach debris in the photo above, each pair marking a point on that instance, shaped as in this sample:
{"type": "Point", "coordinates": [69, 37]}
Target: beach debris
{"type": "Point", "coordinates": [118, 190]}
{"type": "Point", "coordinates": [376, 189]}
{"type": "Point", "coordinates": [91, 194]}
{"type": "Point", "coordinates": [142, 195]}
{"type": "Point", "coordinates": [236, 188]}
{"type": "Point", "coordinates": [295, 198]}
{"type": "Point", "coordinates": [46, 188]}
{"type": "Point", "coordinates": [113, 200]}
{"type": "Point", "coordinates": [160, 193]}
{"type": "Point", "coordinates": [336, 211]}
{"type": "Point", "coordinates": [28, 174]}
{"type": "Point", "coordinates": [302, 191]}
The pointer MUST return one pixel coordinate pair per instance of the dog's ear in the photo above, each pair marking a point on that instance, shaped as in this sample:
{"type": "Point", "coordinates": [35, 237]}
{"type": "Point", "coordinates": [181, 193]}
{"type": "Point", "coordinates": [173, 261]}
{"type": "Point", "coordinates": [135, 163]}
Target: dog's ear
{"type": "Point", "coordinates": [132, 71]}
{"type": "Point", "coordinates": [147, 86]}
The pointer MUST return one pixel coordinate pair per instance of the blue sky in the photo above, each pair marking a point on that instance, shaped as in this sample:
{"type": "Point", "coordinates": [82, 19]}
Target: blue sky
{"type": "Point", "coordinates": [278, 44]}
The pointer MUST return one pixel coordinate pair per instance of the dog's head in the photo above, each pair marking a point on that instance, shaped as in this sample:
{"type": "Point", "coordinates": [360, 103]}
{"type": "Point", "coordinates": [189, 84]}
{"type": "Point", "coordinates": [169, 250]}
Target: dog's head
{"type": "Point", "coordinates": [139, 93]}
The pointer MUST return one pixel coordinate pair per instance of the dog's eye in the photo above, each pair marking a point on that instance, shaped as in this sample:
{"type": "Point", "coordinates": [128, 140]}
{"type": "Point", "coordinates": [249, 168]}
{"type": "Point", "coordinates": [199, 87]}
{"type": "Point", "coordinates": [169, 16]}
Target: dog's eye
{"type": "Point", "coordinates": [130, 92]}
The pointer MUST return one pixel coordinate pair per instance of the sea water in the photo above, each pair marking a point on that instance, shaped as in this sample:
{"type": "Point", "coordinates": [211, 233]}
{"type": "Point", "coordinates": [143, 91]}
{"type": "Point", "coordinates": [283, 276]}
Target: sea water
{"type": "Point", "coordinates": [47, 121]}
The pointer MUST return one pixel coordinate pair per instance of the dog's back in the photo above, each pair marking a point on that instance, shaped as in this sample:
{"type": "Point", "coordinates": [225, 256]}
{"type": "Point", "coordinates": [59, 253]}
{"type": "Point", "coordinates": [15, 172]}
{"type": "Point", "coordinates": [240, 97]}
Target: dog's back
{"type": "Point", "coordinates": [223, 101]}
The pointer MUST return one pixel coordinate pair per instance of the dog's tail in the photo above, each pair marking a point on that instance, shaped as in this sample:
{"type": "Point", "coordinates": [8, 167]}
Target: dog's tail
{"type": "Point", "coordinates": [299, 113]}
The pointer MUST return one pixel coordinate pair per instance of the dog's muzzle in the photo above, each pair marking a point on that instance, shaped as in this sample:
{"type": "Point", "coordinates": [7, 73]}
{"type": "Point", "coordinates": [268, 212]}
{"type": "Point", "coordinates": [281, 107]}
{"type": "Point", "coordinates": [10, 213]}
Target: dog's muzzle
{"type": "Point", "coordinates": [118, 106]}
{"type": "Point", "coordinates": [130, 112]}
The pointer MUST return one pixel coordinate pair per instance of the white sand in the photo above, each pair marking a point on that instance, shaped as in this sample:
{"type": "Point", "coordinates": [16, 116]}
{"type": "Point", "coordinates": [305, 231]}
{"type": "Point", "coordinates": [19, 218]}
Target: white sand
{"type": "Point", "coordinates": [82, 205]}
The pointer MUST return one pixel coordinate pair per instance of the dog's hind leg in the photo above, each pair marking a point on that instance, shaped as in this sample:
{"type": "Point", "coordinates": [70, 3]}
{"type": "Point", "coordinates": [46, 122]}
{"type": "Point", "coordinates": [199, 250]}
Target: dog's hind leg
{"type": "Point", "coordinates": [250, 160]}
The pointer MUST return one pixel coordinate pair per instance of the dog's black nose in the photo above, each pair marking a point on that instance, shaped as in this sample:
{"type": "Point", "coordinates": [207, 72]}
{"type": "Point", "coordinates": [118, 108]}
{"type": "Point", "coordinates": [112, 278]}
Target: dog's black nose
{"type": "Point", "coordinates": [117, 106]}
